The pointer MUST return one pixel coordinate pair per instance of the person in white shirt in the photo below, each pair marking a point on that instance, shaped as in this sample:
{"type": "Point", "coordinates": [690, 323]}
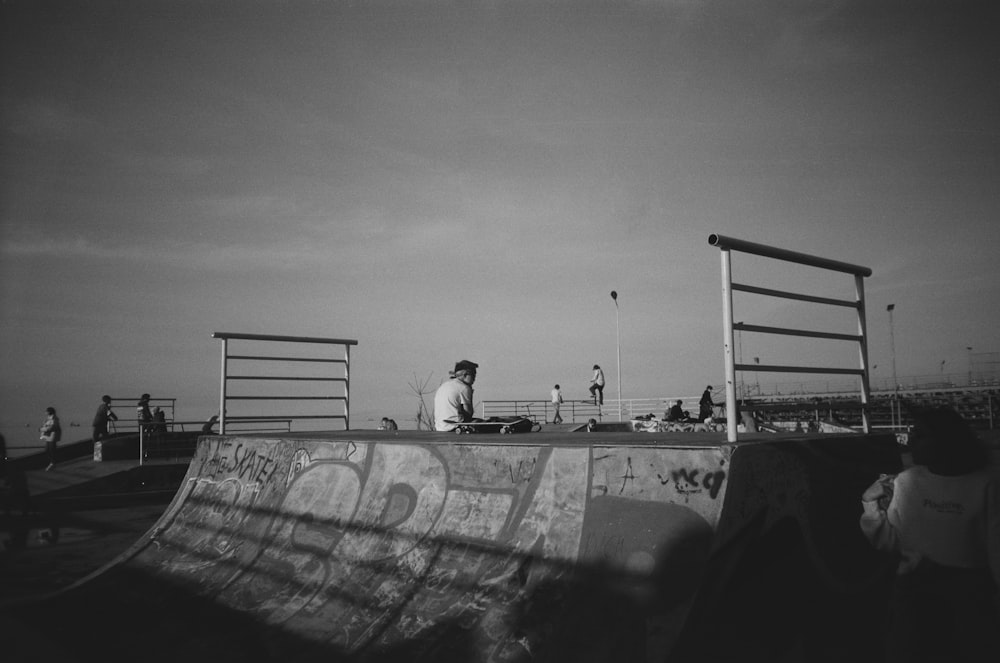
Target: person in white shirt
{"type": "Point", "coordinates": [941, 517]}
{"type": "Point", "coordinates": [597, 385]}
{"type": "Point", "coordinates": [557, 400]}
{"type": "Point", "coordinates": [453, 399]}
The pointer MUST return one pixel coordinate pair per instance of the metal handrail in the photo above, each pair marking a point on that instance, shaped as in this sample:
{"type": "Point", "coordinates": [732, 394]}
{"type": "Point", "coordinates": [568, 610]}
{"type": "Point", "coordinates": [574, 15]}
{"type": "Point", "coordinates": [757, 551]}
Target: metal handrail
{"type": "Point", "coordinates": [541, 408]}
{"type": "Point", "coordinates": [225, 397]}
{"type": "Point", "coordinates": [728, 244]}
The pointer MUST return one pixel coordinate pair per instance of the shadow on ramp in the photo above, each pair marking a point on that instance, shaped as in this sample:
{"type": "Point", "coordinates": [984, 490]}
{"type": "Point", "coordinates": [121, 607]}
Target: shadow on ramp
{"type": "Point", "coordinates": [355, 548]}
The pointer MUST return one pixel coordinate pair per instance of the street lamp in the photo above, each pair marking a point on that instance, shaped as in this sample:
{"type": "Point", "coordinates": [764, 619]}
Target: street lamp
{"type": "Point", "coordinates": [969, 348]}
{"type": "Point", "coordinates": [892, 347]}
{"type": "Point", "coordinates": [618, 338]}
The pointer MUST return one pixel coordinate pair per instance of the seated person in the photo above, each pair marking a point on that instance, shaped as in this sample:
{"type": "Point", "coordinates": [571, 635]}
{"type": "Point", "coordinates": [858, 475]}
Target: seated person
{"type": "Point", "coordinates": [453, 399]}
{"type": "Point", "coordinates": [675, 413]}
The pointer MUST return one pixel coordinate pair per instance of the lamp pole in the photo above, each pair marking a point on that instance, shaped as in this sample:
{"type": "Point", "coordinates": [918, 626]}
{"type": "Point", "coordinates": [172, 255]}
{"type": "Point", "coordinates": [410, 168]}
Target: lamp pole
{"type": "Point", "coordinates": [969, 348]}
{"type": "Point", "coordinates": [618, 340]}
{"type": "Point", "coordinates": [892, 347]}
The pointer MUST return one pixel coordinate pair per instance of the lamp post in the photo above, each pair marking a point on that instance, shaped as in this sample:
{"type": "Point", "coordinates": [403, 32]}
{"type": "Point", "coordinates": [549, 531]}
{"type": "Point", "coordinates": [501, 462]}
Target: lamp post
{"type": "Point", "coordinates": [618, 339]}
{"type": "Point", "coordinates": [892, 347]}
{"type": "Point", "coordinates": [969, 348]}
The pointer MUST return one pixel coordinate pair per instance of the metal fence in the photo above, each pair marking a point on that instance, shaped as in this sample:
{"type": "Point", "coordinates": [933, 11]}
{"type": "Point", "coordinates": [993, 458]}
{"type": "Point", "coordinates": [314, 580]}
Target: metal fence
{"type": "Point", "coordinates": [542, 411]}
{"type": "Point", "coordinates": [309, 372]}
{"type": "Point", "coordinates": [726, 246]}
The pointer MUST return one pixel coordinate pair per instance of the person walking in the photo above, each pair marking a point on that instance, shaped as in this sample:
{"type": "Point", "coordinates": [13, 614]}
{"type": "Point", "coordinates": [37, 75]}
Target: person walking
{"type": "Point", "coordinates": [102, 418]}
{"type": "Point", "coordinates": [597, 386]}
{"type": "Point", "coordinates": [557, 400]}
{"type": "Point", "coordinates": [51, 432]}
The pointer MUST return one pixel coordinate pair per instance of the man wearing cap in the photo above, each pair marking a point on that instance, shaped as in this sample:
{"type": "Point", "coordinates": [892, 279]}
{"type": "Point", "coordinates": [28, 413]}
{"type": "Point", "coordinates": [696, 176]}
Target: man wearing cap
{"type": "Point", "coordinates": [453, 400]}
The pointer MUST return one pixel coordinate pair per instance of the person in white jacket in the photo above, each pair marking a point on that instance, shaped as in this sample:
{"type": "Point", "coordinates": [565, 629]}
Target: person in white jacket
{"type": "Point", "coordinates": [941, 517]}
{"type": "Point", "coordinates": [51, 433]}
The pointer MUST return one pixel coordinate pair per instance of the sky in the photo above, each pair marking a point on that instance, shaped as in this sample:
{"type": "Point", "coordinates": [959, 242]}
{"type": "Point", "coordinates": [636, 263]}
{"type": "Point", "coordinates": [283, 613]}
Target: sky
{"type": "Point", "coordinates": [470, 180]}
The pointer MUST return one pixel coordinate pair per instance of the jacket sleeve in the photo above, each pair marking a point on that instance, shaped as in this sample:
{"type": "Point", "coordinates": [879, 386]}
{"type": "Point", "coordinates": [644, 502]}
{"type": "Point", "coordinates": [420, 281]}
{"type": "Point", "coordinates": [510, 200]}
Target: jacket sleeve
{"type": "Point", "coordinates": [876, 527]}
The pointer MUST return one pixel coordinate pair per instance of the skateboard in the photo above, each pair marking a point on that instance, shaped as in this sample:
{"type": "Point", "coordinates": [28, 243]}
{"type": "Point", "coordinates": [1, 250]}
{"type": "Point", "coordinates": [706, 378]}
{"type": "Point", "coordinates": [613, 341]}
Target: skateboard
{"type": "Point", "coordinates": [502, 425]}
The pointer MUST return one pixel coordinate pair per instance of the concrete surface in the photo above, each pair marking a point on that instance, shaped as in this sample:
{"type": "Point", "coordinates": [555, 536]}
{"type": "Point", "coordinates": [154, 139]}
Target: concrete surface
{"type": "Point", "coordinates": [410, 546]}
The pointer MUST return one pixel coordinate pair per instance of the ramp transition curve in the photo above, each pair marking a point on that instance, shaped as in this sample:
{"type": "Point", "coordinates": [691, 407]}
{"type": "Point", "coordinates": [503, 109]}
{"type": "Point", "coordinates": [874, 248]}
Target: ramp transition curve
{"type": "Point", "coordinates": [362, 548]}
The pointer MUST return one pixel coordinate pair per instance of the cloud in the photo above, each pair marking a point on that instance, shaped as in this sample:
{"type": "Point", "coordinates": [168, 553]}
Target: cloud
{"type": "Point", "coordinates": [39, 121]}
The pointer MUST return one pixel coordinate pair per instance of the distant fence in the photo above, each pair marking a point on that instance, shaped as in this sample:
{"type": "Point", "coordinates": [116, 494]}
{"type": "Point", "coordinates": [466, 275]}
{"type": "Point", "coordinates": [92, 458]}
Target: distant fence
{"type": "Point", "coordinates": [979, 405]}
{"type": "Point", "coordinates": [541, 411]}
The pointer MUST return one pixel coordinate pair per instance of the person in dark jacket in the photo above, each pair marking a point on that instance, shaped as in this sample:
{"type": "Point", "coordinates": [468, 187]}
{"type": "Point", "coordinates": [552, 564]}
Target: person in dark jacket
{"type": "Point", "coordinates": [103, 416]}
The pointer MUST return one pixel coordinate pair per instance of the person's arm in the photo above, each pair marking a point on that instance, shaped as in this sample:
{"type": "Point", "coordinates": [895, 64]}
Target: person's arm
{"type": "Point", "coordinates": [465, 409]}
{"type": "Point", "coordinates": [874, 518]}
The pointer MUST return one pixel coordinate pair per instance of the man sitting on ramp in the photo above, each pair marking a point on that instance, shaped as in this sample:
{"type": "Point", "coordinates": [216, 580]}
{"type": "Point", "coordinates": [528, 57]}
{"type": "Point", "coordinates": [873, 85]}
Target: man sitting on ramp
{"type": "Point", "coordinates": [453, 399]}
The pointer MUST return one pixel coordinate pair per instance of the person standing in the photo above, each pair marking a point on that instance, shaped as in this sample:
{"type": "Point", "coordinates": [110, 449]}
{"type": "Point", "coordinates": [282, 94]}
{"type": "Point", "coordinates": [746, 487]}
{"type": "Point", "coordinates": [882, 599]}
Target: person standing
{"type": "Point", "coordinates": [940, 518]}
{"type": "Point", "coordinates": [597, 385]}
{"type": "Point", "coordinates": [453, 399]}
{"type": "Point", "coordinates": [557, 400]}
{"type": "Point", "coordinates": [142, 411]}
{"type": "Point", "coordinates": [103, 416]}
{"type": "Point", "coordinates": [706, 406]}
{"type": "Point", "coordinates": [51, 432]}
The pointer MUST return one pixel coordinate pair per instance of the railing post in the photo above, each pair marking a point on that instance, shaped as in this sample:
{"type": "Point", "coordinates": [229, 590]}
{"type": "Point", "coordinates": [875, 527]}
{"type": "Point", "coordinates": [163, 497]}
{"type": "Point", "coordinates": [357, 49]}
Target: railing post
{"type": "Point", "coordinates": [347, 384]}
{"type": "Point", "coordinates": [859, 286]}
{"type": "Point", "coordinates": [727, 323]}
{"type": "Point", "coordinates": [222, 389]}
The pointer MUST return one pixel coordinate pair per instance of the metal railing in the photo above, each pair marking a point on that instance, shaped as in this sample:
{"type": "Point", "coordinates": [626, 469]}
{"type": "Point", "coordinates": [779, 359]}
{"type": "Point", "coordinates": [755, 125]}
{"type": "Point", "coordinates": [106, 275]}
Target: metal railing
{"type": "Point", "coordinates": [303, 378]}
{"type": "Point", "coordinates": [541, 410]}
{"type": "Point", "coordinates": [574, 411]}
{"type": "Point", "coordinates": [130, 421]}
{"type": "Point", "coordinates": [726, 245]}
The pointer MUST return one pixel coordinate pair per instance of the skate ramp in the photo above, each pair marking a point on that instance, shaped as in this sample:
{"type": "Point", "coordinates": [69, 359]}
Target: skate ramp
{"type": "Point", "coordinates": [358, 547]}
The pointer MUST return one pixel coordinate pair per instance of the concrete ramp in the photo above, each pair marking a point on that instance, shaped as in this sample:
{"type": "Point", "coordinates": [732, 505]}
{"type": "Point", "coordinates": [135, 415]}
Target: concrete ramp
{"type": "Point", "coordinates": [418, 547]}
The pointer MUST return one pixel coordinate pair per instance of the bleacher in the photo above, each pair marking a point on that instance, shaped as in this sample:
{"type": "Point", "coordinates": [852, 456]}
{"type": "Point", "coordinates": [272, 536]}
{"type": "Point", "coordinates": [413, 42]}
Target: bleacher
{"type": "Point", "coordinates": [980, 405]}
